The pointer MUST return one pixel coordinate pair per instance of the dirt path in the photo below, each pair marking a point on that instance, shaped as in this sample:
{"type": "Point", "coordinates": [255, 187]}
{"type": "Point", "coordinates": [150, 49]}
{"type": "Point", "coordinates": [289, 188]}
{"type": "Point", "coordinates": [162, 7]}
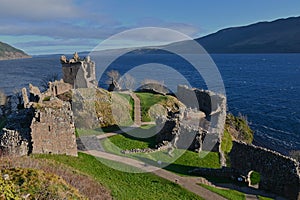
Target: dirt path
{"type": "Point", "coordinates": [137, 109]}
{"type": "Point", "coordinates": [186, 182]}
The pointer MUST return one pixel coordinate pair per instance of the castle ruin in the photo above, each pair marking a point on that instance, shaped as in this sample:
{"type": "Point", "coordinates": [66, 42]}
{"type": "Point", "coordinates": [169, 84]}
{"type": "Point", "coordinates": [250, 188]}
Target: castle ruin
{"type": "Point", "coordinates": [80, 73]}
{"type": "Point", "coordinates": [46, 124]}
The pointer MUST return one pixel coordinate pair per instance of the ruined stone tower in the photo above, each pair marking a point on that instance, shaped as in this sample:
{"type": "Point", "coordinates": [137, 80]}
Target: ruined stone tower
{"type": "Point", "coordinates": [79, 73]}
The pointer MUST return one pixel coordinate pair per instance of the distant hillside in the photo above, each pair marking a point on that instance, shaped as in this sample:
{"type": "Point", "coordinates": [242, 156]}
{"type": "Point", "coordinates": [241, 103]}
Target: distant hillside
{"type": "Point", "coordinates": [279, 36]}
{"type": "Point", "coordinates": [8, 52]}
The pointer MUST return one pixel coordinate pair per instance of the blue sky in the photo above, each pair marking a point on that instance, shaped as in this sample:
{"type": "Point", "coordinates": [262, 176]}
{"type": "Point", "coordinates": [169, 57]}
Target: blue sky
{"type": "Point", "coordinates": [62, 26]}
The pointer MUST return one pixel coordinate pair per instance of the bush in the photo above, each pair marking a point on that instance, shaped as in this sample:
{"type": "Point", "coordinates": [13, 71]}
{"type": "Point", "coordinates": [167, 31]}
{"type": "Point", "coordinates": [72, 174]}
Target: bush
{"type": "Point", "coordinates": [254, 178]}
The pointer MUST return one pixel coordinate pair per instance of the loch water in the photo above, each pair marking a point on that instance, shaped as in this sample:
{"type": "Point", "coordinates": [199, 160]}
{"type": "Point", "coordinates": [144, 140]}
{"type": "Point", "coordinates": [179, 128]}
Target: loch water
{"type": "Point", "coordinates": [263, 87]}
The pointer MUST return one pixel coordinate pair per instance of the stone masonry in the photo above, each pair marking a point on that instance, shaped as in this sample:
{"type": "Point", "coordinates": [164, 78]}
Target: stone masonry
{"type": "Point", "coordinates": [214, 107]}
{"type": "Point", "coordinates": [79, 73]}
{"type": "Point", "coordinates": [279, 174]}
{"type": "Point", "coordinates": [46, 127]}
{"type": "Point", "coordinates": [53, 130]}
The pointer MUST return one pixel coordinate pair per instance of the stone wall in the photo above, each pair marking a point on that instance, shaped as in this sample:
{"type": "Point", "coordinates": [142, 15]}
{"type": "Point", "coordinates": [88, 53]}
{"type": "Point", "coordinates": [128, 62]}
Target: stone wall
{"type": "Point", "coordinates": [279, 174]}
{"type": "Point", "coordinates": [213, 105]}
{"type": "Point", "coordinates": [184, 131]}
{"type": "Point", "coordinates": [80, 74]}
{"type": "Point", "coordinates": [53, 130]}
{"type": "Point", "coordinates": [15, 137]}
{"type": "Point", "coordinates": [46, 127]}
{"type": "Point", "coordinates": [57, 88]}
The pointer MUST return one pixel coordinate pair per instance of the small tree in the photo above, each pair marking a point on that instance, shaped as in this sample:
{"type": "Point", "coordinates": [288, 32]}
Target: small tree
{"type": "Point", "coordinates": [113, 75]}
{"type": "Point", "coordinates": [127, 81]}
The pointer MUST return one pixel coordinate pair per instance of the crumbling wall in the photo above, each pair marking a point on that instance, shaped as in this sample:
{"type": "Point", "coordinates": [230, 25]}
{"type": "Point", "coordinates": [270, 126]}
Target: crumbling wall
{"type": "Point", "coordinates": [186, 132]}
{"type": "Point", "coordinates": [15, 137]}
{"type": "Point", "coordinates": [53, 130]}
{"type": "Point", "coordinates": [214, 106]}
{"type": "Point", "coordinates": [79, 74]}
{"type": "Point", "coordinates": [279, 174]}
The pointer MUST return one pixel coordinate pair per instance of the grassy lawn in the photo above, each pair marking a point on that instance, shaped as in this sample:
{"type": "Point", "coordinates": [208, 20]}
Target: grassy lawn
{"type": "Point", "coordinates": [148, 100]}
{"type": "Point", "coordinates": [97, 131]}
{"type": "Point", "coordinates": [228, 194]}
{"type": "Point", "coordinates": [264, 198]}
{"type": "Point", "coordinates": [124, 185]}
{"type": "Point", "coordinates": [187, 160]}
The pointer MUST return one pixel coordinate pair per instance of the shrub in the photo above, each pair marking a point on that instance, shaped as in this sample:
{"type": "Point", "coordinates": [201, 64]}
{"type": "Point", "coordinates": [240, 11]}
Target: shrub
{"type": "Point", "coordinates": [238, 127]}
{"type": "Point", "coordinates": [254, 178]}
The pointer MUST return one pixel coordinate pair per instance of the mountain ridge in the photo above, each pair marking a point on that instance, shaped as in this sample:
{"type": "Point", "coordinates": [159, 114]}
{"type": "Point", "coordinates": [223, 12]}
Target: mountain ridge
{"type": "Point", "coordinates": [278, 36]}
{"type": "Point", "coordinates": [8, 52]}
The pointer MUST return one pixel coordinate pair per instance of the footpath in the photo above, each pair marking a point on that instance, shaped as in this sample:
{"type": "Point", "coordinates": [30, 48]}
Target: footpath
{"type": "Point", "coordinates": [189, 183]}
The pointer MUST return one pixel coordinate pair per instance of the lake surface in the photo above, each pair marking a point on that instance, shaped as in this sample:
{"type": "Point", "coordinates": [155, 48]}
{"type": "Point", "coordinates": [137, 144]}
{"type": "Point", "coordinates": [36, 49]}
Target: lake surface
{"type": "Point", "coordinates": [264, 87]}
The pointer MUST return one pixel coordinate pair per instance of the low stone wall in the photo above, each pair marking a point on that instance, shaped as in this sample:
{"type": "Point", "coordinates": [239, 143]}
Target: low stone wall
{"type": "Point", "coordinates": [224, 172]}
{"type": "Point", "coordinates": [279, 174]}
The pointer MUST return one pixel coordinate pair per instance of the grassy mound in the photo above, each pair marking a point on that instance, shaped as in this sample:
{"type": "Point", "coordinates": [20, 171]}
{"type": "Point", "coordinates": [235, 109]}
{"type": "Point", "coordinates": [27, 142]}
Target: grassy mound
{"type": "Point", "coordinates": [46, 179]}
{"type": "Point", "coordinates": [156, 104]}
{"type": "Point", "coordinates": [36, 184]}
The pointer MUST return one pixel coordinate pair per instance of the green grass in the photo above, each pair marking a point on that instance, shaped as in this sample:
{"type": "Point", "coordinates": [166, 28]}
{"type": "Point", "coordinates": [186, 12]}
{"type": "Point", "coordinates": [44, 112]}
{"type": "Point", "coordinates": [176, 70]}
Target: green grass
{"type": "Point", "coordinates": [97, 131]}
{"type": "Point", "coordinates": [226, 143]}
{"type": "Point", "coordinates": [226, 146]}
{"type": "Point", "coordinates": [126, 143]}
{"type": "Point", "coordinates": [124, 185]}
{"type": "Point", "coordinates": [264, 198]}
{"type": "Point", "coordinates": [254, 178]}
{"type": "Point", "coordinates": [190, 160]}
{"type": "Point", "coordinates": [187, 160]}
{"type": "Point", "coordinates": [228, 194]}
{"type": "Point", "coordinates": [148, 100]}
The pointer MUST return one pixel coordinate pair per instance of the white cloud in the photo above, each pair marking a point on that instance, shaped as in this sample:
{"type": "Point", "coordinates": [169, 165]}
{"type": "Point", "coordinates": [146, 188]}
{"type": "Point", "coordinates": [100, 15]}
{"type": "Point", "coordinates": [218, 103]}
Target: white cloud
{"type": "Point", "coordinates": [38, 9]}
{"type": "Point", "coordinates": [184, 28]}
